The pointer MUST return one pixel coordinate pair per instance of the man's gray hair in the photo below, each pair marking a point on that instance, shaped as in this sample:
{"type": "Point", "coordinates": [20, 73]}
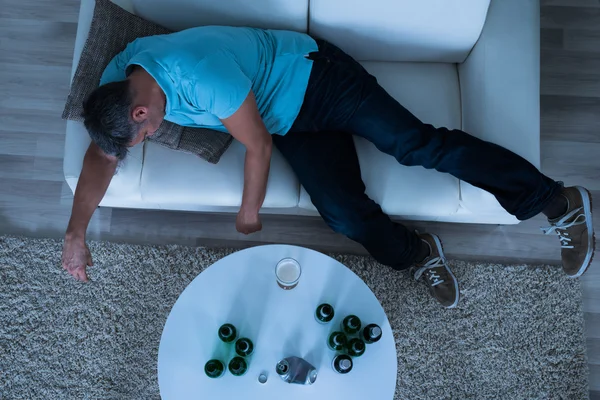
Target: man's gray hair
{"type": "Point", "coordinates": [106, 114]}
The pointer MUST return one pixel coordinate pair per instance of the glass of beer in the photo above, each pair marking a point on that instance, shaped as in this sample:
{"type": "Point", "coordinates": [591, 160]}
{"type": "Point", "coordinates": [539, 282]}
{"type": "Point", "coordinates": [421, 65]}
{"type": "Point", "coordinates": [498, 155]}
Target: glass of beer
{"type": "Point", "coordinates": [288, 273]}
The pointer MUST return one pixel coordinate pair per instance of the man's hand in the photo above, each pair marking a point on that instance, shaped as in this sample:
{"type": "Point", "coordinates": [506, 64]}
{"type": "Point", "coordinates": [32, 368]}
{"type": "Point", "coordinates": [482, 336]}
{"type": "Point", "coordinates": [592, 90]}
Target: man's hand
{"type": "Point", "coordinates": [248, 222]}
{"type": "Point", "coordinates": [76, 257]}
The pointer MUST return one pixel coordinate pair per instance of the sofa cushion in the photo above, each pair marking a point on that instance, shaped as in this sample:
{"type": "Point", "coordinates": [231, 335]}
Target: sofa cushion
{"type": "Point", "coordinates": [181, 14]}
{"type": "Point", "coordinates": [183, 181]}
{"type": "Point", "coordinates": [479, 201]}
{"type": "Point", "coordinates": [400, 30]}
{"type": "Point", "coordinates": [431, 92]}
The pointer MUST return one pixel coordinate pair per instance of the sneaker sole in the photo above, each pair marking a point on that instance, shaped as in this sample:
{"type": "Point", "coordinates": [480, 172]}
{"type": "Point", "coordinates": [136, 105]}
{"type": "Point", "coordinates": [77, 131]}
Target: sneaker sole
{"type": "Point", "coordinates": [587, 210]}
{"type": "Point", "coordinates": [438, 243]}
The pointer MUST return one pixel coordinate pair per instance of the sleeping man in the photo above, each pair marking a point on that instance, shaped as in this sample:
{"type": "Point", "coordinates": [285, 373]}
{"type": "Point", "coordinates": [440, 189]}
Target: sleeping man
{"type": "Point", "coordinates": [307, 98]}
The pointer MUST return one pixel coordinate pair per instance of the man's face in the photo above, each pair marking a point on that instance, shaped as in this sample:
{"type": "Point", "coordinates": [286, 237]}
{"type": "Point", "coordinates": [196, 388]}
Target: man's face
{"type": "Point", "coordinates": [150, 119]}
{"type": "Point", "coordinates": [142, 135]}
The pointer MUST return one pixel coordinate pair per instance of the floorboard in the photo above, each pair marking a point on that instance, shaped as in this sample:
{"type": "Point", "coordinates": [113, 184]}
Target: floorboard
{"type": "Point", "coordinates": [570, 3]}
{"type": "Point", "coordinates": [595, 377]}
{"type": "Point", "coordinates": [581, 40]}
{"type": "Point", "coordinates": [575, 118]}
{"type": "Point", "coordinates": [570, 17]}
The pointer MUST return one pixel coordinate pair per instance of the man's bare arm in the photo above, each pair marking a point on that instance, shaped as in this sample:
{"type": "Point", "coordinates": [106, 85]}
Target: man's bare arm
{"type": "Point", "coordinates": [96, 174]}
{"type": "Point", "coordinates": [246, 125]}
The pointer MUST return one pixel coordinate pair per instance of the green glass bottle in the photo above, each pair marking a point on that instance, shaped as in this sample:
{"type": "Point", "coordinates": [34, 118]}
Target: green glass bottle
{"type": "Point", "coordinates": [238, 366]}
{"type": "Point", "coordinates": [351, 325]}
{"type": "Point", "coordinates": [227, 333]}
{"type": "Point", "coordinates": [214, 369]}
{"type": "Point", "coordinates": [244, 347]}
{"type": "Point", "coordinates": [356, 347]}
{"type": "Point", "coordinates": [337, 341]}
{"type": "Point", "coordinates": [324, 313]}
{"type": "Point", "coordinates": [342, 364]}
{"type": "Point", "coordinates": [371, 333]}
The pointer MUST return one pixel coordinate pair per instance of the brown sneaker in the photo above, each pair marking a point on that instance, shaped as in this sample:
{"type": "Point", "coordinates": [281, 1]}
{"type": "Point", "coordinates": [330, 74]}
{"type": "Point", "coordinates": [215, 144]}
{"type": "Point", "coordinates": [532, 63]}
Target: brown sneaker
{"type": "Point", "coordinates": [575, 231]}
{"type": "Point", "coordinates": [442, 283]}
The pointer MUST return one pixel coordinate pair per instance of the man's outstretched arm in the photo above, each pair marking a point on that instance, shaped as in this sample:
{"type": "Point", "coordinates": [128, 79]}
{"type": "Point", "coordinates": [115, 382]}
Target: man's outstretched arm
{"type": "Point", "coordinates": [247, 126]}
{"type": "Point", "coordinates": [96, 174]}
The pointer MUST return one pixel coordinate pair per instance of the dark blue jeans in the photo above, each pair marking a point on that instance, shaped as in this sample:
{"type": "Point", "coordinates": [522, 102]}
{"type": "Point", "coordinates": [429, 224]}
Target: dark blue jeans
{"type": "Point", "coordinates": [343, 99]}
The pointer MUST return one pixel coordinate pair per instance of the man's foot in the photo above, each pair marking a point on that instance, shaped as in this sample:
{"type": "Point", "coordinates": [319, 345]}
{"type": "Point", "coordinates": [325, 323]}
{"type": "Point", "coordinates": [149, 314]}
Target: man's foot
{"type": "Point", "coordinates": [442, 283]}
{"type": "Point", "coordinates": [575, 231]}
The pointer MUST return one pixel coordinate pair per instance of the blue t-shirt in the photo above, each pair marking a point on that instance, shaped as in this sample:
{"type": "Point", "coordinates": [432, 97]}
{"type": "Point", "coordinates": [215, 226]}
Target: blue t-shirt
{"type": "Point", "coordinates": [207, 72]}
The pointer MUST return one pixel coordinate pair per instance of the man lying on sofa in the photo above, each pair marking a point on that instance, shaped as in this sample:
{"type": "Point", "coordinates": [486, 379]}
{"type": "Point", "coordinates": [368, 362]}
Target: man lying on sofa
{"type": "Point", "coordinates": [306, 97]}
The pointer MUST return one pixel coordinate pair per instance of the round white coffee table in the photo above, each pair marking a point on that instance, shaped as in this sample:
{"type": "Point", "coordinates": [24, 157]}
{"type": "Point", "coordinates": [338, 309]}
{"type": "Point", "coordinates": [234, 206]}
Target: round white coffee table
{"type": "Point", "coordinates": [241, 289]}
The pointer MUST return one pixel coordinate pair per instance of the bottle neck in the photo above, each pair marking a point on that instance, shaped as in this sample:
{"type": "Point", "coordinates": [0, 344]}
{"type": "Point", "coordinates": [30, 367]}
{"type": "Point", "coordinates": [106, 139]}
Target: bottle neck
{"type": "Point", "coordinates": [283, 367]}
{"type": "Point", "coordinates": [237, 366]}
{"type": "Point", "coordinates": [325, 311]}
{"type": "Point", "coordinates": [226, 332]}
{"type": "Point", "coordinates": [214, 368]}
{"type": "Point", "coordinates": [374, 332]}
{"type": "Point", "coordinates": [344, 364]}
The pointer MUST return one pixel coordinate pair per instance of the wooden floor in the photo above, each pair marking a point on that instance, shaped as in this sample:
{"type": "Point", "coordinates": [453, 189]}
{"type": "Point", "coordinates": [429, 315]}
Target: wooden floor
{"type": "Point", "coordinates": [36, 46]}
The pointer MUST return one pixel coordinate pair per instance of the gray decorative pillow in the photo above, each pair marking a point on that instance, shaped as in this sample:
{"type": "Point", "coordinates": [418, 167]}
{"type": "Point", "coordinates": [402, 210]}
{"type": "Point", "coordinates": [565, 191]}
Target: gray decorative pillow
{"type": "Point", "coordinates": [111, 30]}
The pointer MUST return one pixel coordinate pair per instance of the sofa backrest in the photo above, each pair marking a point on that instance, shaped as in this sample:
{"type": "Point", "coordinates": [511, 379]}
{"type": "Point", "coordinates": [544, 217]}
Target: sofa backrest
{"type": "Point", "coordinates": [370, 30]}
{"type": "Point", "coordinates": [400, 30]}
{"type": "Point", "coordinates": [181, 14]}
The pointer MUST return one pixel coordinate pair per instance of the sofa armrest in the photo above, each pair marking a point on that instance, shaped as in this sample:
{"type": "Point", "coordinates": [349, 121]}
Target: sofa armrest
{"type": "Point", "coordinates": [500, 79]}
{"type": "Point", "coordinates": [77, 139]}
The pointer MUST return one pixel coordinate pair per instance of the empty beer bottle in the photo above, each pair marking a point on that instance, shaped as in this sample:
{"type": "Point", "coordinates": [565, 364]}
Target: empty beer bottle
{"type": "Point", "coordinates": [214, 369]}
{"type": "Point", "coordinates": [324, 313]}
{"type": "Point", "coordinates": [371, 333]}
{"type": "Point", "coordinates": [227, 333]}
{"type": "Point", "coordinates": [351, 324]}
{"type": "Point", "coordinates": [342, 364]}
{"type": "Point", "coordinates": [337, 341]}
{"type": "Point", "coordinates": [238, 366]}
{"type": "Point", "coordinates": [356, 347]}
{"type": "Point", "coordinates": [244, 347]}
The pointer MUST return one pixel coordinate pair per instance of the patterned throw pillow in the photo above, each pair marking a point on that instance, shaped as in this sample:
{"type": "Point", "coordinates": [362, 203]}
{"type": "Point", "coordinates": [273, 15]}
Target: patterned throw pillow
{"type": "Point", "coordinates": [111, 30]}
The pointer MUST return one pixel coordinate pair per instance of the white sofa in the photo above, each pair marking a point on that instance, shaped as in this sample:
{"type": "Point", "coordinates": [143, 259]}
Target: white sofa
{"type": "Point", "coordinates": [468, 64]}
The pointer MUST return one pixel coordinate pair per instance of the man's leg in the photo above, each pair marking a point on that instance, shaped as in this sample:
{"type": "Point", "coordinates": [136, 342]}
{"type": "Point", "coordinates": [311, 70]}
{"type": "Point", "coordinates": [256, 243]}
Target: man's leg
{"type": "Point", "coordinates": [327, 166]}
{"type": "Point", "coordinates": [517, 185]}
{"type": "Point", "coordinates": [350, 99]}
{"type": "Point", "coordinates": [357, 104]}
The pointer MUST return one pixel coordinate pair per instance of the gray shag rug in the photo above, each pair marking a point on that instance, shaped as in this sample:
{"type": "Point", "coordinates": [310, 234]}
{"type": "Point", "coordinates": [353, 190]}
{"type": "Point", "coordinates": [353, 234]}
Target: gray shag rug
{"type": "Point", "coordinates": [517, 333]}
